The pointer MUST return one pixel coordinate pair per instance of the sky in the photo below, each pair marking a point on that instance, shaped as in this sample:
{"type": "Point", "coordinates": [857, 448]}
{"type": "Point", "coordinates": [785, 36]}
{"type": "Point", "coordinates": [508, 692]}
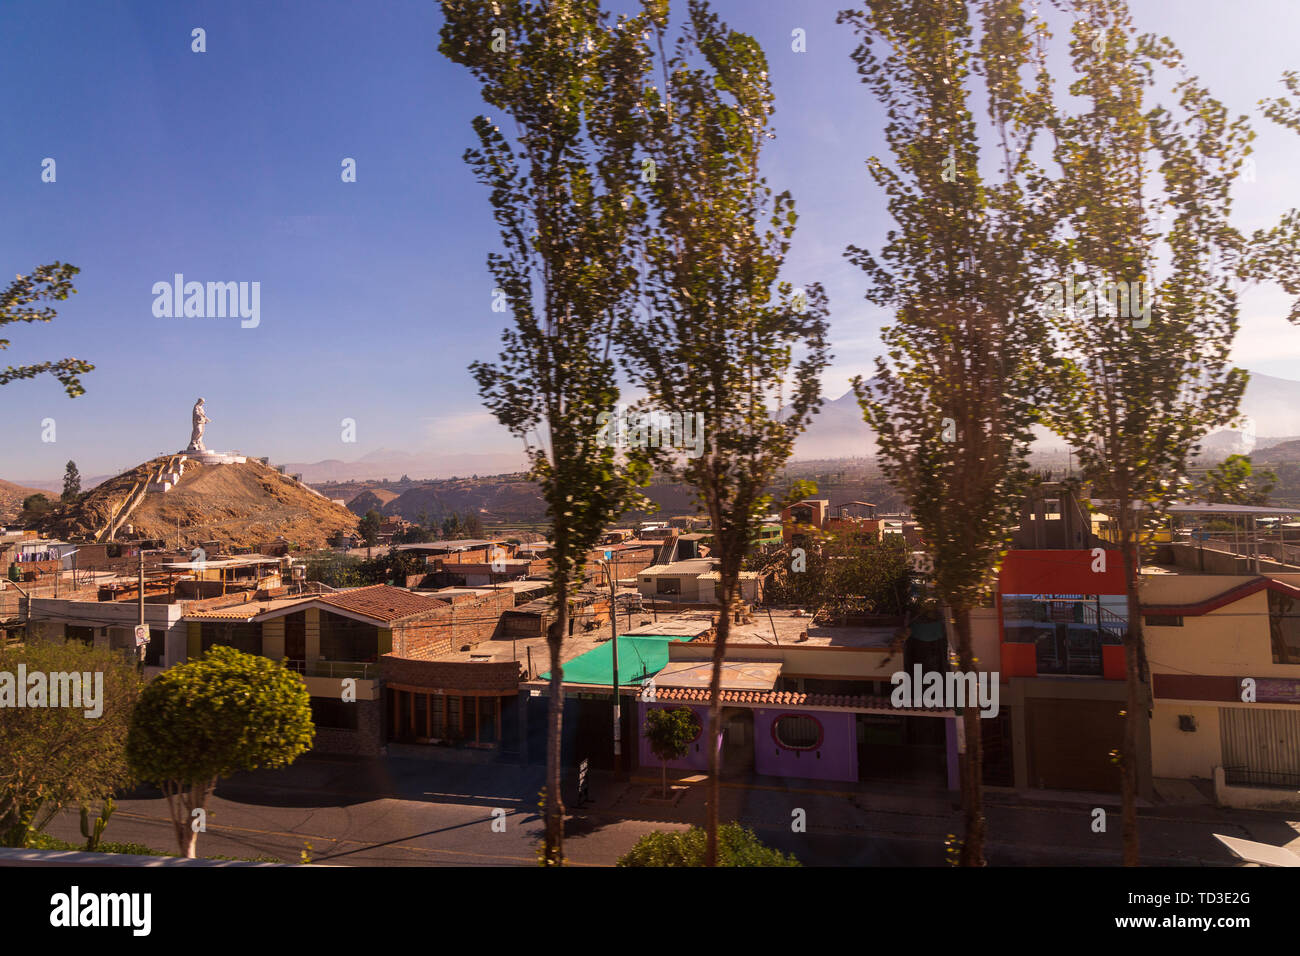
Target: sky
{"type": "Point", "coordinates": [225, 166]}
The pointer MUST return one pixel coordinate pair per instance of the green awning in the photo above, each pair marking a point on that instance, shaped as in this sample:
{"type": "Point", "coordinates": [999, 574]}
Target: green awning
{"type": "Point", "coordinates": [640, 657]}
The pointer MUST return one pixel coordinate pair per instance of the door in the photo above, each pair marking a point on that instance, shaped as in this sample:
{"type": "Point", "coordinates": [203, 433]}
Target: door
{"type": "Point", "coordinates": [737, 740]}
{"type": "Point", "coordinates": [295, 637]}
{"type": "Point", "coordinates": [1261, 748]}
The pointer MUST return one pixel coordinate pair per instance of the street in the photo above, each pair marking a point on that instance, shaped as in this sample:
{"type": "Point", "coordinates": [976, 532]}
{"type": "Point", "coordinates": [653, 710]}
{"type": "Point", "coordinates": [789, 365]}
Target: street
{"type": "Point", "coordinates": [404, 812]}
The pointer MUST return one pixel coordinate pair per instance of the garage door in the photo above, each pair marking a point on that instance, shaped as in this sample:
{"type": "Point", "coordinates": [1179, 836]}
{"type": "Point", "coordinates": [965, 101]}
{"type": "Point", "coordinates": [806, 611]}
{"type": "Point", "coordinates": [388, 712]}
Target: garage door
{"type": "Point", "coordinates": [1261, 748]}
{"type": "Point", "coordinates": [1069, 744]}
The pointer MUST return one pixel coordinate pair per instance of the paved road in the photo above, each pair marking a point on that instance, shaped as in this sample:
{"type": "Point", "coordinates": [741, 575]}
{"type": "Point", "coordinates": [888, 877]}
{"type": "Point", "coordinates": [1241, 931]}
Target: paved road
{"type": "Point", "coordinates": [399, 812]}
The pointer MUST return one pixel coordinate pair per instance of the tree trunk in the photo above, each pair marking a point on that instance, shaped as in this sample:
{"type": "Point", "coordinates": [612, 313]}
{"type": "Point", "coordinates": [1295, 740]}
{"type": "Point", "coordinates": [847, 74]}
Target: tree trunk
{"type": "Point", "coordinates": [715, 720]}
{"type": "Point", "coordinates": [664, 764]}
{"type": "Point", "coordinates": [1134, 660]}
{"type": "Point", "coordinates": [553, 842]}
{"type": "Point", "coordinates": [972, 764]}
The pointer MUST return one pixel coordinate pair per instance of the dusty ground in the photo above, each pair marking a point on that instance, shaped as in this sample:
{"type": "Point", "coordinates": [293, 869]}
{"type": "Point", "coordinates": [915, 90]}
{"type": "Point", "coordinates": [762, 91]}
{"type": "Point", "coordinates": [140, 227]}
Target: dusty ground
{"type": "Point", "coordinates": [11, 499]}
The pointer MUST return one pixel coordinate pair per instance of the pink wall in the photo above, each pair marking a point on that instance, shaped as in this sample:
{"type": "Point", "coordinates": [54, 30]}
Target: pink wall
{"type": "Point", "coordinates": [836, 758]}
{"type": "Point", "coordinates": [696, 759]}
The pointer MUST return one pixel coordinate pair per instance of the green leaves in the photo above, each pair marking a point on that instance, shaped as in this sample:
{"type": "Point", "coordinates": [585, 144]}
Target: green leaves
{"type": "Point", "coordinates": [670, 732]}
{"type": "Point", "coordinates": [958, 390]}
{"type": "Point", "coordinates": [52, 757]}
{"type": "Point", "coordinates": [721, 334]}
{"type": "Point", "coordinates": [49, 282]}
{"type": "Point", "coordinates": [225, 712]}
{"type": "Point", "coordinates": [563, 193]}
{"type": "Point", "coordinates": [737, 846]}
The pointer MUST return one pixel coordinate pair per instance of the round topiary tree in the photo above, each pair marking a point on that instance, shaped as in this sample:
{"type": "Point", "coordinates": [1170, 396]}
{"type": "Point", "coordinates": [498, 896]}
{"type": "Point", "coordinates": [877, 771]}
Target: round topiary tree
{"type": "Point", "coordinates": [208, 718]}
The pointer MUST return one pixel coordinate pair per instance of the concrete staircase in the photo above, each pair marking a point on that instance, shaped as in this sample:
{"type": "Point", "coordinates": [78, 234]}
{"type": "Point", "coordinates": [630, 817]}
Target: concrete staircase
{"type": "Point", "coordinates": [161, 480]}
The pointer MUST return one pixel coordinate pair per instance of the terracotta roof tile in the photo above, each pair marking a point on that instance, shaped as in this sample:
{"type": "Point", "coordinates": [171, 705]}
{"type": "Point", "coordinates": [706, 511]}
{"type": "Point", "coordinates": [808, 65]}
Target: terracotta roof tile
{"type": "Point", "coordinates": [783, 698]}
{"type": "Point", "coordinates": [381, 602]}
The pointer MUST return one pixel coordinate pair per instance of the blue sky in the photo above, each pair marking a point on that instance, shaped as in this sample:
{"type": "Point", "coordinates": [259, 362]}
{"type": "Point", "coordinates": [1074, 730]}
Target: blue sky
{"type": "Point", "coordinates": [225, 166]}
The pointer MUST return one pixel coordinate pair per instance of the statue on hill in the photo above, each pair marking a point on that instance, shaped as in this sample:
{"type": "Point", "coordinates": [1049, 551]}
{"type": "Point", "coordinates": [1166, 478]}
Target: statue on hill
{"type": "Point", "coordinates": [200, 420]}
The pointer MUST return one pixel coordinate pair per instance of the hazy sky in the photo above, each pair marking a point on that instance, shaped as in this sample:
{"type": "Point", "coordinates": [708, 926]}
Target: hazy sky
{"type": "Point", "coordinates": [225, 166]}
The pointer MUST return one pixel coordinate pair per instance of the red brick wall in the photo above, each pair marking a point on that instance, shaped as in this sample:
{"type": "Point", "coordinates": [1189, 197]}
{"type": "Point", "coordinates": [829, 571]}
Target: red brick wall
{"type": "Point", "coordinates": [38, 569]}
{"type": "Point", "coordinates": [450, 675]}
{"type": "Point", "coordinates": [447, 628]}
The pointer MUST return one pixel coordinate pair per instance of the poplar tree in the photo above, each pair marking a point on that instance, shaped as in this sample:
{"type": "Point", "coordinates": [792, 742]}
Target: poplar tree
{"type": "Point", "coordinates": [564, 194]}
{"type": "Point", "coordinates": [1144, 204]}
{"type": "Point", "coordinates": [956, 392]}
{"type": "Point", "coordinates": [723, 335]}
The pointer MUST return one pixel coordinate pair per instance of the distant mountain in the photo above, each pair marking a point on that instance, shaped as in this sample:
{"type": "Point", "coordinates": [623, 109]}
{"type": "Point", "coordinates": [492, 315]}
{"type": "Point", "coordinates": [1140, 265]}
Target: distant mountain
{"type": "Point", "coordinates": [390, 463]}
{"type": "Point", "coordinates": [839, 431]}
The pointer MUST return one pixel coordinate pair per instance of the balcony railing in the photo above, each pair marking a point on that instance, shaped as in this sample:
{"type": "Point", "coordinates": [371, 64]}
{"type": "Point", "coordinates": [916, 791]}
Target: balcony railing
{"type": "Point", "coordinates": [1267, 779]}
{"type": "Point", "coordinates": [340, 669]}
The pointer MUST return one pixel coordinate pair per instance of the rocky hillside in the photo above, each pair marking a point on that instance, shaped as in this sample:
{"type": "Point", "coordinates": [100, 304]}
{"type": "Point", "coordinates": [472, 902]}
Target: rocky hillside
{"type": "Point", "coordinates": [236, 504]}
{"type": "Point", "coordinates": [11, 499]}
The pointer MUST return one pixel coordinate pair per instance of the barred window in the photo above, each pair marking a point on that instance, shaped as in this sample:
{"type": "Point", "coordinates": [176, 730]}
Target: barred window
{"type": "Point", "coordinates": [797, 732]}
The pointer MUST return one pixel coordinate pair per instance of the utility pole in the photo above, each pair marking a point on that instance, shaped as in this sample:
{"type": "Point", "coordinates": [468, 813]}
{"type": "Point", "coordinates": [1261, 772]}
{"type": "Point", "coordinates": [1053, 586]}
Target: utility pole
{"type": "Point", "coordinates": [613, 633]}
{"type": "Point", "coordinates": [140, 595]}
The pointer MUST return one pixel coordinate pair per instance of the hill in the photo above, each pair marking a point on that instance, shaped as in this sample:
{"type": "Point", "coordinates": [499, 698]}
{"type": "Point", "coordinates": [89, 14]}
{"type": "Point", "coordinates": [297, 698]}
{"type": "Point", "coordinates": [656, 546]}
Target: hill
{"type": "Point", "coordinates": [375, 498]}
{"type": "Point", "coordinates": [11, 499]}
{"type": "Point", "coordinates": [236, 504]}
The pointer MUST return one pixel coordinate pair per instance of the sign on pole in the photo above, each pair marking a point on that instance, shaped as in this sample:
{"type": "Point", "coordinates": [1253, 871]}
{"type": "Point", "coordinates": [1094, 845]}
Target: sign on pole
{"type": "Point", "coordinates": [583, 793]}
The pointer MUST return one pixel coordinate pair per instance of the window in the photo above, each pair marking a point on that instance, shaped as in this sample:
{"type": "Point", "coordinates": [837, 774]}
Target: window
{"type": "Point", "coordinates": [797, 732]}
{"type": "Point", "coordinates": [243, 636]}
{"type": "Point", "coordinates": [668, 586]}
{"type": "Point", "coordinates": [343, 639]}
{"type": "Point", "coordinates": [438, 715]}
{"type": "Point", "coordinates": [487, 720]}
{"type": "Point", "coordinates": [1284, 628]}
{"type": "Point", "coordinates": [1161, 620]}
{"type": "Point", "coordinates": [335, 714]}
{"type": "Point", "coordinates": [421, 715]}
{"type": "Point", "coordinates": [75, 632]}
{"type": "Point", "coordinates": [453, 717]}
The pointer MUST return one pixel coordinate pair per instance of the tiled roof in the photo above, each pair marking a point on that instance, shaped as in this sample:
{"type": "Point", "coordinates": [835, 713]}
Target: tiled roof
{"type": "Point", "coordinates": [245, 611]}
{"type": "Point", "coordinates": [381, 602]}
{"type": "Point", "coordinates": [784, 699]}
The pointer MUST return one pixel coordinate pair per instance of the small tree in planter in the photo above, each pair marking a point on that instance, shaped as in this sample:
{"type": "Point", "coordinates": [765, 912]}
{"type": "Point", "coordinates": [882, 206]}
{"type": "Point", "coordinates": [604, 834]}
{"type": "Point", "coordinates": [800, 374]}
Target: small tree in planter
{"type": "Point", "coordinates": [670, 733]}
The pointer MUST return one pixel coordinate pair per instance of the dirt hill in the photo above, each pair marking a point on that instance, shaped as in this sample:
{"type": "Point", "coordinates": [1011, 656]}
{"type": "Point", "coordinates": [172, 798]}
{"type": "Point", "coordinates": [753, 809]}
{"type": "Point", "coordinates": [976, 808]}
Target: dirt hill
{"type": "Point", "coordinates": [375, 498]}
{"type": "Point", "coordinates": [236, 504]}
{"type": "Point", "coordinates": [11, 499]}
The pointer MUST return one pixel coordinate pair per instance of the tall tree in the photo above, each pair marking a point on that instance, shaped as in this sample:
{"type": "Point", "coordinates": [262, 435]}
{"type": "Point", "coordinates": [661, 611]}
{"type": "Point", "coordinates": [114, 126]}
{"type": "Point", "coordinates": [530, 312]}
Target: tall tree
{"type": "Point", "coordinates": [1146, 188]}
{"type": "Point", "coordinates": [563, 191]}
{"type": "Point", "coordinates": [51, 282]}
{"type": "Point", "coordinates": [1274, 254]}
{"type": "Point", "coordinates": [719, 337]}
{"type": "Point", "coordinates": [71, 483]}
{"type": "Point", "coordinates": [954, 397]}
{"type": "Point", "coordinates": [368, 528]}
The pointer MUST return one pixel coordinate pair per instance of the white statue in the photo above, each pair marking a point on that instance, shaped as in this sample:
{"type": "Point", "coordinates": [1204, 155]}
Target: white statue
{"type": "Point", "coordinates": [200, 420]}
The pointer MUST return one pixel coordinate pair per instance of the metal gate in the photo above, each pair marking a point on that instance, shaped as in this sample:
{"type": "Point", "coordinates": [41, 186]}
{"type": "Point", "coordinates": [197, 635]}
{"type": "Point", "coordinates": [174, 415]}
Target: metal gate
{"type": "Point", "coordinates": [1261, 748]}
